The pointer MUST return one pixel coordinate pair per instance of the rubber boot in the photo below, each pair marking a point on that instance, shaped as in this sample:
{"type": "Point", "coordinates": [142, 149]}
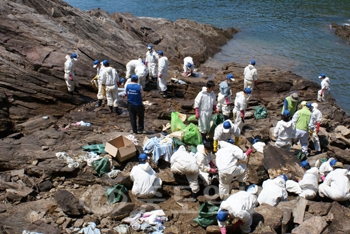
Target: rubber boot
{"type": "Point", "coordinates": [241, 186]}
{"type": "Point", "coordinates": [204, 137]}
{"type": "Point", "coordinates": [194, 196]}
{"type": "Point", "coordinates": [110, 108]}
{"type": "Point", "coordinates": [165, 94]}
{"type": "Point", "coordinates": [116, 110]}
{"type": "Point", "coordinates": [99, 103]}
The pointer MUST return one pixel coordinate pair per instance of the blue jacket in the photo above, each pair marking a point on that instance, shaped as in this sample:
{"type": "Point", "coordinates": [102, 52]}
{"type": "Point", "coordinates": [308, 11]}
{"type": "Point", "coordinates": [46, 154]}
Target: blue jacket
{"type": "Point", "coordinates": [134, 94]}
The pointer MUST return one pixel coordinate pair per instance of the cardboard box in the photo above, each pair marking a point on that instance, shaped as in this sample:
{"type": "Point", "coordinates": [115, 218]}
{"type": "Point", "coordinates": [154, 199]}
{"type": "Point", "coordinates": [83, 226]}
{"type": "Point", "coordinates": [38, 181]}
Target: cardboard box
{"type": "Point", "coordinates": [121, 148]}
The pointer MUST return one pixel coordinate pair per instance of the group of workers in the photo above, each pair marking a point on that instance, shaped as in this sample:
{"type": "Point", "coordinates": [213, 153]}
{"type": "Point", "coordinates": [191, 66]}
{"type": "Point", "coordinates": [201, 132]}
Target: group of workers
{"type": "Point", "coordinates": [221, 157]}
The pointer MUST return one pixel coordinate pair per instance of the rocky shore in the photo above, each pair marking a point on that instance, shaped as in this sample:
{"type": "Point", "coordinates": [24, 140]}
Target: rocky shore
{"type": "Point", "coordinates": [39, 192]}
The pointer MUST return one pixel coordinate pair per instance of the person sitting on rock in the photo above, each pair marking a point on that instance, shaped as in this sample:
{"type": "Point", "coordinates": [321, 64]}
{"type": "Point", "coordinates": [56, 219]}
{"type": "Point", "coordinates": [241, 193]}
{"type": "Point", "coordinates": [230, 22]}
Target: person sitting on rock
{"type": "Point", "coordinates": [239, 206]}
{"type": "Point", "coordinates": [308, 186]}
{"type": "Point", "coordinates": [336, 185]}
{"type": "Point", "coordinates": [240, 107]}
{"type": "Point", "coordinates": [273, 191]}
{"type": "Point", "coordinates": [224, 96]}
{"type": "Point", "coordinates": [290, 103]}
{"type": "Point", "coordinates": [205, 162]}
{"type": "Point", "coordinates": [227, 163]}
{"type": "Point", "coordinates": [322, 94]}
{"type": "Point", "coordinates": [188, 66]}
{"type": "Point", "coordinates": [224, 132]}
{"type": "Point", "coordinates": [145, 179]}
{"type": "Point", "coordinates": [327, 167]}
{"type": "Point", "coordinates": [185, 164]}
{"type": "Point", "coordinates": [284, 132]}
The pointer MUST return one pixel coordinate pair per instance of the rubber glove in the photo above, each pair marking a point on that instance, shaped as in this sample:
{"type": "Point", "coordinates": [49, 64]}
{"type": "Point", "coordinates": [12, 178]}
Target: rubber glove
{"type": "Point", "coordinates": [322, 90]}
{"type": "Point", "coordinates": [223, 230]}
{"type": "Point", "coordinates": [255, 82]}
{"type": "Point", "coordinates": [213, 171]}
{"type": "Point", "coordinates": [214, 108]}
{"type": "Point", "coordinates": [242, 113]}
{"type": "Point", "coordinates": [311, 132]}
{"type": "Point", "coordinates": [227, 101]}
{"type": "Point", "coordinates": [237, 224]}
{"type": "Point", "coordinates": [125, 95]}
{"type": "Point", "coordinates": [248, 151]}
{"type": "Point", "coordinates": [323, 178]}
{"type": "Point", "coordinates": [70, 77]}
{"type": "Point", "coordinates": [160, 75]}
{"type": "Point", "coordinates": [236, 140]}
{"type": "Point", "coordinates": [212, 165]}
{"type": "Point", "coordinates": [197, 113]}
{"type": "Point", "coordinates": [215, 146]}
{"type": "Point", "coordinates": [318, 127]}
{"type": "Point", "coordinates": [146, 63]}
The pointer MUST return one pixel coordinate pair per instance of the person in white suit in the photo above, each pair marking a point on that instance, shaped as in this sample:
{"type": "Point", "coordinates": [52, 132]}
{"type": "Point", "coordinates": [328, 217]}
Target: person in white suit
{"type": "Point", "coordinates": [273, 191]}
{"type": "Point", "coordinates": [205, 162]}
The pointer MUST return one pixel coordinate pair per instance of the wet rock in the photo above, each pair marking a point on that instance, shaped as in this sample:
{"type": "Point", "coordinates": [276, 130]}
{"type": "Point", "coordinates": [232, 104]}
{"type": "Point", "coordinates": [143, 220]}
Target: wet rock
{"type": "Point", "coordinates": [69, 203]}
{"type": "Point", "coordinates": [342, 30]}
{"type": "Point", "coordinates": [314, 225]}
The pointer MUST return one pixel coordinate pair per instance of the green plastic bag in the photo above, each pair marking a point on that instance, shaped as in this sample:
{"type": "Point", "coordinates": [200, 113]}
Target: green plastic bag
{"type": "Point", "coordinates": [301, 156]}
{"type": "Point", "coordinates": [260, 112]}
{"type": "Point", "coordinates": [192, 118]}
{"type": "Point", "coordinates": [216, 120]}
{"type": "Point", "coordinates": [177, 143]}
{"type": "Point", "coordinates": [102, 166]}
{"type": "Point", "coordinates": [192, 135]}
{"type": "Point", "coordinates": [176, 123]}
{"type": "Point", "coordinates": [98, 148]}
{"type": "Point", "coordinates": [116, 193]}
{"type": "Point", "coordinates": [207, 214]}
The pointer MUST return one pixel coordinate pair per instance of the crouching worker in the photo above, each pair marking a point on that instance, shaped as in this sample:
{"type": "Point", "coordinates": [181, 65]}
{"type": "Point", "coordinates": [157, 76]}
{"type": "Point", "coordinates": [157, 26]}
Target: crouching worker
{"type": "Point", "coordinates": [185, 164]}
{"type": "Point", "coordinates": [205, 162]}
{"type": "Point", "coordinates": [308, 186]}
{"type": "Point", "coordinates": [224, 132]}
{"type": "Point", "coordinates": [273, 191]}
{"type": "Point", "coordinates": [145, 179]}
{"type": "Point", "coordinates": [238, 207]}
{"type": "Point", "coordinates": [227, 163]}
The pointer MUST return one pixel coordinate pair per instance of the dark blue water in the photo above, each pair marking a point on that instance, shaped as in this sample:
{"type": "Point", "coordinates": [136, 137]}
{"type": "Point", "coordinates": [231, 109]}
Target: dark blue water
{"type": "Point", "coordinates": [291, 35]}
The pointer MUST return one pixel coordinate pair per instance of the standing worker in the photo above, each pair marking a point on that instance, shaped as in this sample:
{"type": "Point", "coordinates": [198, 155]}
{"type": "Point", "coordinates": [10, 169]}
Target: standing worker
{"type": "Point", "coordinates": [188, 66]}
{"type": "Point", "coordinates": [250, 75]}
{"type": "Point", "coordinates": [290, 103]}
{"type": "Point", "coordinates": [302, 119]}
{"type": "Point", "coordinates": [204, 105]}
{"type": "Point", "coordinates": [322, 94]}
{"type": "Point", "coordinates": [240, 107]}
{"type": "Point", "coordinates": [284, 132]}
{"type": "Point", "coordinates": [136, 109]}
{"type": "Point", "coordinates": [224, 132]}
{"type": "Point", "coordinates": [69, 76]}
{"type": "Point", "coordinates": [151, 62]}
{"type": "Point", "coordinates": [130, 67]}
{"type": "Point", "coordinates": [224, 96]}
{"type": "Point", "coordinates": [162, 73]}
{"type": "Point", "coordinates": [101, 93]}
{"type": "Point", "coordinates": [238, 206]}
{"type": "Point", "coordinates": [316, 116]}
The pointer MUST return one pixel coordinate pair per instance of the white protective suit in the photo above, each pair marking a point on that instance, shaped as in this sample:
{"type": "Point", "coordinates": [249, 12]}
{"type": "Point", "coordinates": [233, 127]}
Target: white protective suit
{"type": "Point", "coordinates": [325, 167]}
{"type": "Point", "coordinates": [325, 86]}
{"type": "Point", "coordinates": [188, 60]}
{"type": "Point", "coordinates": [101, 94]}
{"type": "Point", "coordinates": [151, 60]}
{"type": "Point", "coordinates": [130, 67]}
{"type": "Point", "coordinates": [336, 185]}
{"type": "Point", "coordinates": [307, 187]}
{"type": "Point", "coordinates": [317, 117]}
{"type": "Point", "coordinates": [110, 78]}
{"type": "Point", "coordinates": [204, 102]}
{"type": "Point", "coordinates": [241, 206]}
{"type": "Point", "coordinates": [141, 71]}
{"type": "Point", "coordinates": [224, 96]}
{"type": "Point", "coordinates": [163, 71]}
{"type": "Point", "coordinates": [184, 163]}
{"type": "Point", "coordinates": [145, 181]}
{"type": "Point", "coordinates": [228, 167]}
{"type": "Point", "coordinates": [273, 191]}
{"type": "Point", "coordinates": [69, 70]}
{"type": "Point", "coordinates": [240, 104]}
{"type": "Point", "coordinates": [284, 132]}
{"type": "Point", "coordinates": [203, 161]}
{"type": "Point", "coordinates": [221, 136]}
{"type": "Point", "coordinates": [250, 75]}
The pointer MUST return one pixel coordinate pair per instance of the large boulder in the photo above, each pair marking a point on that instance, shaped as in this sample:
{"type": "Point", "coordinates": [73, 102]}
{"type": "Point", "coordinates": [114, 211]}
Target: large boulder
{"type": "Point", "coordinates": [69, 203]}
{"type": "Point", "coordinates": [314, 225]}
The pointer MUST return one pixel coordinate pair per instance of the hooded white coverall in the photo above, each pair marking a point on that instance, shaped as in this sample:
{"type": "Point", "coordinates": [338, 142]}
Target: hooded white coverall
{"type": "Point", "coordinates": [145, 181]}
{"type": "Point", "coordinates": [336, 185]}
{"type": "Point", "coordinates": [241, 206]}
{"type": "Point", "coordinates": [240, 104]}
{"type": "Point", "coordinates": [130, 67]}
{"type": "Point", "coordinates": [221, 136]}
{"type": "Point", "coordinates": [317, 117]}
{"type": "Point", "coordinates": [273, 191]}
{"type": "Point", "coordinates": [284, 132]}
{"type": "Point", "coordinates": [307, 187]}
{"type": "Point", "coordinates": [163, 71]}
{"type": "Point", "coordinates": [151, 60]}
{"type": "Point", "coordinates": [69, 70]}
{"type": "Point", "coordinates": [101, 94]}
{"type": "Point", "coordinates": [204, 102]}
{"type": "Point", "coordinates": [325, 86]}
{"type": "Point", "coordinates": [203, 161]}
{"type": "Point", "coordinates": [250, 75]}
{"type": "Point", "coordinates": [325, 167]}
{"type": "Point", "coordinates": [184, 163]}
{"type": "Point", "coordinates": [228, 167]}
{"type": "Point", "coordinates": [141, 71]}
{"type": "Point", "coordinates": [224, 96]}
{"type": "Point", "coordinates": [188, 60]}
{"type": "Point", "coordinates": [110, 78]}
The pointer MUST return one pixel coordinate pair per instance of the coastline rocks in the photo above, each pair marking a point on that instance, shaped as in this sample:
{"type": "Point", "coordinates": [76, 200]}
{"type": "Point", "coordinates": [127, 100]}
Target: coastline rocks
{"type": "Point", "coordinates": [342, 30]}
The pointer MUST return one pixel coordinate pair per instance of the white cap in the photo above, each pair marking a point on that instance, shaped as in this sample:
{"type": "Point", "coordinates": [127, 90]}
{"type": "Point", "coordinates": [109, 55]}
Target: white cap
{"type": "Point", "coordinates": [94, 66]}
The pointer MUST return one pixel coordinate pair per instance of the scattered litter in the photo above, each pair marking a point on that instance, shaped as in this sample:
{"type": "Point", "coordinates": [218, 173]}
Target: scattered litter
{"type": "Point", "coordinates": [122, 229]}
{"type": "Point", "coordinates": [91, 229]}
{"type": "Point", "coordinates": [149, 222]}
{"type": "Point", "coordinates": [70, 161]}
{"type": "Point", "coordinates": [45, 117]}
{"type": "Point", "coordinates": [259, 146]}
{"type": "Point", "coordinates": [102, 166]}
{"type": "Point", "coordinates": [166, 127]}
{"type": "Point", "coordinates": [116, 194]}
{"type": "Point", "coordinates": [29, 232]}
{"type": "Point", "coordinates": [82, 123]}
{"type": "Point", "coordinates": [114, 173]}
{"type": "Point", "coordinates": [147, 103]}
{"type": "Point", "coordinates": [133, 139]}
{"type": "Point", "coordinates": [97, 148]}
{"type": "Point", "coordinates": [175, 80]}
{"type": "Point", "coordinates": [160, 147]}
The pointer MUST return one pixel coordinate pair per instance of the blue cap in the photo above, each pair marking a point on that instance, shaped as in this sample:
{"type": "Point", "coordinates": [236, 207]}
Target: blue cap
{"type": "Point", "coordinates": [284, 177]}
{"type": "Point", "coordinates": [74, 55]}
{"type": "Point", "coordinates": [96, 62]}
{"type": "Point", "coordinates": [105, 63]}
{"type": "Point", "coordinates": [160, 52]}
{"type": "Point", "coordinates": [143, 157]}
{"type": "Point", "coordinates": [256, 139]}
{"type": "Point", "coordinates": [332, 162]}
{"type": "Point", "coordinates": [122, 80]}
{"type": "Point", "coordinates": [229, 76]}
{"type": "Point", "coordinates": [308, 105]}
{"type": "Point", "coordinates": [150, 46]}
{"type": "Point", "coordinates": [134, 77]}
{"type": "Point", "coordinates": [227, 125]}
{"type": "Point", "coordinates": [189, 65]}
{"type": "Point", "coordinates": [248, 90]}
{"type": "Point", "coordinates": [286, 113]}
{"type": "Point", "coordinates": [231, 141]}
{"type": "Point", "coordinates": [305, 164]}
{"type": "Point", "coordinates": [252, 62]}
{"type": "Point", "coordinates": [322, 76]}
{"type": "Point", "coordinates": [222, 215]}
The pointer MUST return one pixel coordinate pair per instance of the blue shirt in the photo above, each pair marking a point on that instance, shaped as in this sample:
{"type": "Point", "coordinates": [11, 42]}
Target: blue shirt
{"type": "Point", "coordinates": [134, 94]}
